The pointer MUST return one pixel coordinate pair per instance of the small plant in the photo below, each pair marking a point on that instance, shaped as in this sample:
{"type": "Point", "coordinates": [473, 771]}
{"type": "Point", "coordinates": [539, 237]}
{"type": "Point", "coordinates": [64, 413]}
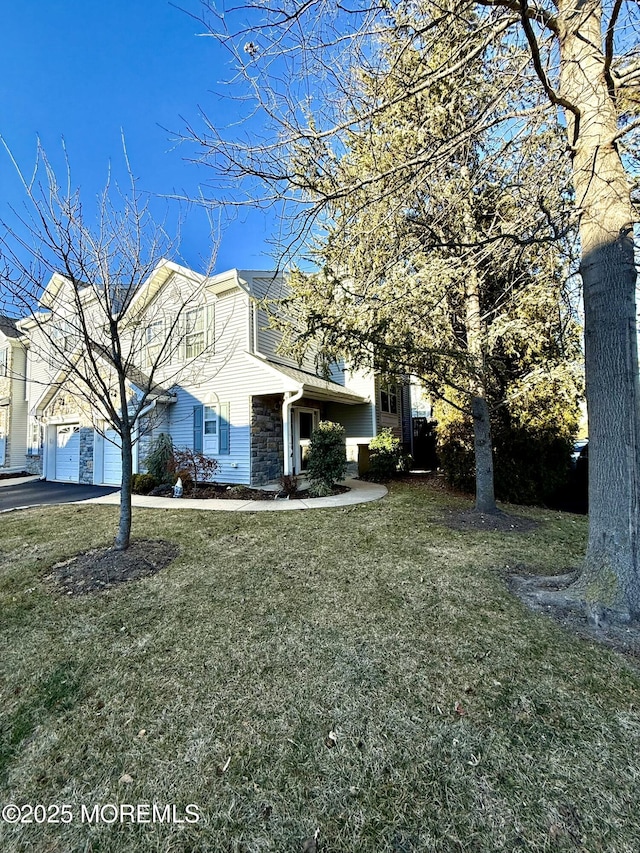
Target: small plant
{"type": "Point", "coordinates": [386, 456]}
{"type": "Point", "coordinates": [159, 460]}
{"type": "Point", "coordinates": [142, 484]}
{"type": "Point", "coordinates": [288, 484]}
{"type": "Point", "coordinates": [193, 467]}
{"type": "Point", "coordinates": [319, 489]}
{"type": "Point", "coordinates": [327, 462]}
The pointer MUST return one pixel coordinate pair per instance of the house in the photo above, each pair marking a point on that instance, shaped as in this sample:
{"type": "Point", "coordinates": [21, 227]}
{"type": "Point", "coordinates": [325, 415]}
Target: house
{"type": "Point", "coordinates": [220, 386]}
{"type": "Point", "coordinates": [13, 406]}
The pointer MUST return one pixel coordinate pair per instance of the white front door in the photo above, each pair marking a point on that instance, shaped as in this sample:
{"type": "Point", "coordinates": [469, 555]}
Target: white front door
{"type": "Point", "coordinates": [304, 423]}
{"type": "Point", "coordinates": [112, 459]}
{"type": "Point", "coordinates": [68, 453]}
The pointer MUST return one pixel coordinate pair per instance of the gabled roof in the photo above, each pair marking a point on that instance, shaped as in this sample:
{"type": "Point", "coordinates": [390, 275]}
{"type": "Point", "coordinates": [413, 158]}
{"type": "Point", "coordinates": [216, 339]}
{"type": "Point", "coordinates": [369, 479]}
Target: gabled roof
{"type": "Point", "coordinates": [8, 327]}
{"type": "Point", "coordinates": [135, 377]}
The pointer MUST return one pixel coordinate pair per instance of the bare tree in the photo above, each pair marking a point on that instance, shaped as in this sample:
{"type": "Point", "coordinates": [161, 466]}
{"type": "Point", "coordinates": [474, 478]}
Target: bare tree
{"type": "Point", "coordinates": [85, 284]}
{"type": "Point", "coordinates": [301, 76]}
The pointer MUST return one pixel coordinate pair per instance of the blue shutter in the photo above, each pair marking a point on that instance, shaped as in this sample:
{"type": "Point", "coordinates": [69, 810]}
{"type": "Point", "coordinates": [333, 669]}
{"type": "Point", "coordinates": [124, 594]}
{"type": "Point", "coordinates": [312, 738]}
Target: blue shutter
{"type": "Point", "coordinates": [197, 428]}
{"type": "Point", "coordinates": [223, 428]}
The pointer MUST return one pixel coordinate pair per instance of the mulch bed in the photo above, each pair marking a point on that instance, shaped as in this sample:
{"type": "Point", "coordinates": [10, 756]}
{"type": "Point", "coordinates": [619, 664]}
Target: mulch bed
{"type": "Point", "coordinates": [214, 491]}
{"type": "Point", "coordinates": [104, 568]}
{"type": "Point", "coordinates": [14, 475]}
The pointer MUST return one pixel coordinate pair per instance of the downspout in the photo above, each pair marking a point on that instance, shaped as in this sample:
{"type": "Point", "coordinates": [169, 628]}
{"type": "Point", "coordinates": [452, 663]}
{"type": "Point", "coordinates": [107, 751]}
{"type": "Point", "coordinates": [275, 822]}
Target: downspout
{"type": "Point", "coordinates": [145, 411]}
{"type": "Point", "coordinates": [289, 399]}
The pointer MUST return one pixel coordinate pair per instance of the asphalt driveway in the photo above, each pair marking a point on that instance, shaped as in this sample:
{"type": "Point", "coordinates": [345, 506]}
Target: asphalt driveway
{"type": "Point", "coordinates": [40, 492]}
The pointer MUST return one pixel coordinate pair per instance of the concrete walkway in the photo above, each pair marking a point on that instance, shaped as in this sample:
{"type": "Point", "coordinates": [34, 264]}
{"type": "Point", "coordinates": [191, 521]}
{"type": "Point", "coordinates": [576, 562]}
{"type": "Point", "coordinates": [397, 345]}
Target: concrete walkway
{"type": "Point", "coordinates": [361, 492]}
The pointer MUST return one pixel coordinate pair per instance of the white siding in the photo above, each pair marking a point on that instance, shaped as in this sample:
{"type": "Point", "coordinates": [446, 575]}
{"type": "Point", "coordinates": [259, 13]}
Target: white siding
{"type": "Point", "coordinates": [358, 421]}
{"type": "Point", "coordinates": [18, 447]}
{"type": "Point", "coordinates": [228, 376]}
{"type": "Point", "coordinates": [266, 340]}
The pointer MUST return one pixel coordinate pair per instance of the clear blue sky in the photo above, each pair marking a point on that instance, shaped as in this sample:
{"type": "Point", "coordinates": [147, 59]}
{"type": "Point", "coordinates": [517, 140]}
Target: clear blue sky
{"type": "Point", "coordinates": [83, 70]}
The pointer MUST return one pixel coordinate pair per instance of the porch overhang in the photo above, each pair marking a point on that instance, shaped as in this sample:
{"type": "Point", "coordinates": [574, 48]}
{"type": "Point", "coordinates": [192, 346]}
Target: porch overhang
{"type": "Point", "coordinates": [295, 380]}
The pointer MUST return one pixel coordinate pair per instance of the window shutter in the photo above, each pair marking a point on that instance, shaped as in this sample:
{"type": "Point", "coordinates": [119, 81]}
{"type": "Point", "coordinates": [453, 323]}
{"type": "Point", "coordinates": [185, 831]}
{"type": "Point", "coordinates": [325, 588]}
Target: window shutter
{"type": "Point", "coordinates": [197, 428]}
{"type": "Point", "coordinates": [223, 428]}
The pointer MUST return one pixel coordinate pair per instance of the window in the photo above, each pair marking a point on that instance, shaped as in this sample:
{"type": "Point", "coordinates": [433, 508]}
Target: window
{"type": "Point", "coordinates": [199, 331]}
{"type": "Point", "coordinates": [389, 399]}
{"type": "Point", "coordinates": [4, 361]}
{"type": "Point", "coordinates": [211, 429]}
{"type": "Point", "coordinates": [154, 336]}
{"type": "Point", "coordinates": [60, 344]}
{"type": "Point", "coordinates": [194, 333]}
{"type": "Point", "coordinates": [210, 437]}
{"type": "Point", "coordinates": [35, 442]}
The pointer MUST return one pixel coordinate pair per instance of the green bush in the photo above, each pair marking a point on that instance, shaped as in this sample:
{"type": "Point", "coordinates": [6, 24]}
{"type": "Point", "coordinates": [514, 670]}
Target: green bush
{"type": "Point", "coordinates": [320, 489]}
{"type": "Point", "coordinates": [327, 462]}
{"type": "Point", "coordinates": [386, 457]}
{"type": "Point", "coordinates": [159, 461]}
{"type": "Point", "coordinates": [142, 484]}
{"type": "Point", "coordinates": [531, 463]}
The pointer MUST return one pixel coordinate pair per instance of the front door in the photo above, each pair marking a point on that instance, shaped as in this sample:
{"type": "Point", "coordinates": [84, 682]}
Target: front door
{"type": "Point", "coordinates": [304, 423]}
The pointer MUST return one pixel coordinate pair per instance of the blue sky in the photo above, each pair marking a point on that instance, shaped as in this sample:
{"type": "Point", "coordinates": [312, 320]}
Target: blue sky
{"type": "Point", "coordinates": [84, 70]}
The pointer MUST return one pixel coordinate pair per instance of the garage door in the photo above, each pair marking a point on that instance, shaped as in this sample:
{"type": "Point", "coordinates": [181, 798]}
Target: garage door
{"type": "Point", "coordinates": [68, 453]}
{"type": "Point", "coordinates": [112, 465]}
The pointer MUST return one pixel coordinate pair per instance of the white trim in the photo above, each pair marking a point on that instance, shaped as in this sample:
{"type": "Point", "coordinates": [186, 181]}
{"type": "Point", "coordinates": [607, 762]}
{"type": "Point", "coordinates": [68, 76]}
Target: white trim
{"type": "Point", "coordinates": [296, 411]}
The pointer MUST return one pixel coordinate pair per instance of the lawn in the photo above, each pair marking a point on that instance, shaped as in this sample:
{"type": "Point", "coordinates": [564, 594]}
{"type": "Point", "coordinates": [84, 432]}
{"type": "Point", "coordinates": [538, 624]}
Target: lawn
{"type": "Point", "coordinates": [362, 671]}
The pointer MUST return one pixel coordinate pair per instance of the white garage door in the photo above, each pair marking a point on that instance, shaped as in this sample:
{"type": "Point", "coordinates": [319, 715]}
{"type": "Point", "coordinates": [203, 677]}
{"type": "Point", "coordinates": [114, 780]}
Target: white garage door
{"type": "Point", "coordinates": [112, 465]}
{"type": "Point", "coordinates": [68, 453]}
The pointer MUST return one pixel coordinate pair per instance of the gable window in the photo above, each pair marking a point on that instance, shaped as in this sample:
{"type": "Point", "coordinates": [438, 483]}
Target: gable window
{"type": "Point", "coordinates": [199, 324]}
{"type": "Point", "coordinates": [154, 336]}
{"type": "Point", "coordinates": [4, 361]}
{"type": "Point", "coordinates": [194, 333]}
{"type": "Point", "coordinates": [60, 344]}
{"type": "Point", "coordinates": [389, 399]}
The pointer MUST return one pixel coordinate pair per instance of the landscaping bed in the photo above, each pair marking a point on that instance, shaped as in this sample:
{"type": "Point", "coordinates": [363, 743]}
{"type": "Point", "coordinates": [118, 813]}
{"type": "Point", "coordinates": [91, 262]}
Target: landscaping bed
{"type": "Point", "coordinates": [216, 491]}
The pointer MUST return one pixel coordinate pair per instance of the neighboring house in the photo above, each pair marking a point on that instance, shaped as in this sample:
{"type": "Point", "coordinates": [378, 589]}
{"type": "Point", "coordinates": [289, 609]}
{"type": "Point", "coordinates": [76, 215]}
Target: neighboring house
{"type": "Point", "coordinates": [223, 389]}
{"type": "Point", "coordinates": [13, 406]}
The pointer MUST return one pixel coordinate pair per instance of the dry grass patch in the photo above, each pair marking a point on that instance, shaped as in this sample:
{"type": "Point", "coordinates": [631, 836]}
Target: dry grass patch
{"type": "Point", "coordinates": [363, 671]}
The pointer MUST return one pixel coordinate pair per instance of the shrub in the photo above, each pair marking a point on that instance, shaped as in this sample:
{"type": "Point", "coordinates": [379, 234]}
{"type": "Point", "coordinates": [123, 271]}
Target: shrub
{"type": "Point", "coordinates": [531, 463]}
{"type": "Point", "coordinates": [327, 462]}
{"type": "Point", "coordinates": [288, 484]}
{"type": "Point", "coordinates": [142, 484]}
{"type": "Point", "coordinates": [159, 460]}
{"type": "Point", "coordinates": [319, 489]}
{"type": "Point", "coordinates": [193, 467]}
{"type": "Point", "coordinates": [386, 457]}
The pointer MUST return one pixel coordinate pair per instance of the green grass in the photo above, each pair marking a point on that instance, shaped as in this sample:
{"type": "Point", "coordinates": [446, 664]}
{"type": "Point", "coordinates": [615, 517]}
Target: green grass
{"type": "Point", "coordinates": [273, 629]}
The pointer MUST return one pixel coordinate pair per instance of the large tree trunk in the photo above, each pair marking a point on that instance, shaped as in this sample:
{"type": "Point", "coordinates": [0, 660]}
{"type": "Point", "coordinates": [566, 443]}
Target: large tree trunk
{"type": "Point", "coordinates": [611, 570]}
{"type": "Point", "coordinates": [124, 524]}
{"type": "Point", "coordinates": [482, 443]}
{"type": "Point", "coordinates": [485, 497]}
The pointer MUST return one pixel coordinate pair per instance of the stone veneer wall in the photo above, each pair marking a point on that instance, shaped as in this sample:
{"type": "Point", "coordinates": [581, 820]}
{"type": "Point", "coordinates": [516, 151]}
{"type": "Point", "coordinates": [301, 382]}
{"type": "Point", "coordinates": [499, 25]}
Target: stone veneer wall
{"type": "Point", "coordinates": [86, 455]}
{"type": "Point", "coordinates": [33, 464]}
{"type": "Point", "coordinates": [267, 454]}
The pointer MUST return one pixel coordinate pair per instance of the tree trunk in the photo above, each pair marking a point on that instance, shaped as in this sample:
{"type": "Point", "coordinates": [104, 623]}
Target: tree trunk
{"type": "Point", "coordinates": [611, 570]}
{"type": "Point", "coordinates": [482, 443]}
{"type": "Point", "coordinates": [485, 497]}
{"type": "Point", "coordinates": [124, 525]}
